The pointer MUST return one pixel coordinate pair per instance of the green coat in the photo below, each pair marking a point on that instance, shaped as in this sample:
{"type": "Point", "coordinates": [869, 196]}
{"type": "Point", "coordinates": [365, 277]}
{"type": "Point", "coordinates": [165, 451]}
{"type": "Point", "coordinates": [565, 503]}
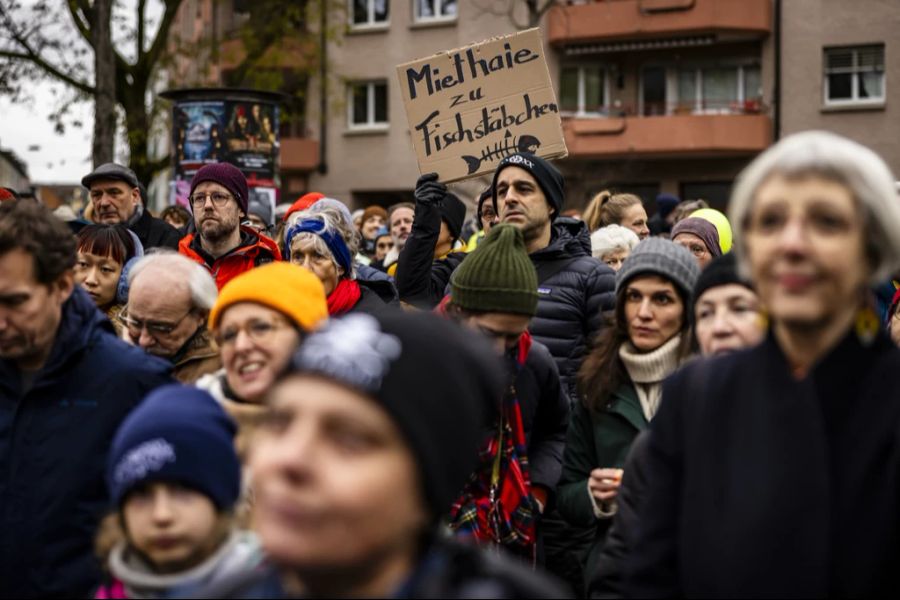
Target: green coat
{"type": "Point", "coordinates": [596, 440]}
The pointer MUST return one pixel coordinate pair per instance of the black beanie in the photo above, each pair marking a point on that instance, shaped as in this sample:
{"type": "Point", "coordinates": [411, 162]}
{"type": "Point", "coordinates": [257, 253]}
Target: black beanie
{"type": "Point", "coordinates": [436, 380]}
{"type": "Point", "coordinates": [546, 175]}
{"type": "Point", "coordinates": [453, 212]}
{"type": "Point", "coordinates": [722, 270]}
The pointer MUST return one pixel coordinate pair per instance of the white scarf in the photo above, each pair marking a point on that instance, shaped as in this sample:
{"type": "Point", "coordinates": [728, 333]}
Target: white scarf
{"type": "Point", "coordinates": [648, 369]}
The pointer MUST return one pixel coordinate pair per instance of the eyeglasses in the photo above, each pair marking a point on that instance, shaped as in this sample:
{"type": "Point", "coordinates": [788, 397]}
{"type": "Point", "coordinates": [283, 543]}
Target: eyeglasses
{"type": "Point", "coordinates": [154, 328]}
{"type": "Point", "coordinates": [219, 199]}
{"type": "Point", "coordinates": [257, 330]}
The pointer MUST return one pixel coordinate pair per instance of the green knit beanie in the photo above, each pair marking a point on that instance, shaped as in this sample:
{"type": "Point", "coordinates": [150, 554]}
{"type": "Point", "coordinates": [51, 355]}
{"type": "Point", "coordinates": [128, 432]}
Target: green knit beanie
{"type": "Point", "coordinates": [497, 276]}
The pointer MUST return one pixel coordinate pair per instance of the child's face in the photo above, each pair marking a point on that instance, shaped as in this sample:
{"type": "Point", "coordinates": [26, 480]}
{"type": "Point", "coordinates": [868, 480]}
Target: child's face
{"type": "Point", "coordinates": [174, 527]}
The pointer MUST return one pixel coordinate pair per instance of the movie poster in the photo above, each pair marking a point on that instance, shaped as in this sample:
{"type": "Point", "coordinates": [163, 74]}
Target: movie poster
{"type": "Point", "coordinates": [251, 134]}
{"type": "Point", "coordinates": [243, 133]}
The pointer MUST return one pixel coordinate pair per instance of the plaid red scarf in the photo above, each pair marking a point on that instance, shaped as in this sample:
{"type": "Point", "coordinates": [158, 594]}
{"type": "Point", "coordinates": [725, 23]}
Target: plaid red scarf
{"type": "Point", "coordinates": [496, 505]}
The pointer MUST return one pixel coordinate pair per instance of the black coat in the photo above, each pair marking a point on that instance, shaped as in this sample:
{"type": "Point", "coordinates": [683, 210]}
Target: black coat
{"type": "Point", "coordinates": [54, 438]}
{"type": "Point", "coordinates": [421, 280]}
{"type": "Point", "coordinates": [606, 574]}
{"type": "Point", "coordinates": [449, 569]}
{"type": "Point", "coordinates": [573, 287]}
{"type": "Point", "coordinates": [155, 233]}
{"type": "Point", "coordinates": [545, 416]}
{"type": "Point", "coordinates": [376, 297]}
{"type": "Point", "coordinates": [762, 485]}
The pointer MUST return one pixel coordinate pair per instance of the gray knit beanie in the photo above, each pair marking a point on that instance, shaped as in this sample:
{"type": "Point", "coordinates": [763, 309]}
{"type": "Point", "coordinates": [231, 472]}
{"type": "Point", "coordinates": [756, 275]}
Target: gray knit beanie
{"type": "Point", "coordinates": [657, 256]}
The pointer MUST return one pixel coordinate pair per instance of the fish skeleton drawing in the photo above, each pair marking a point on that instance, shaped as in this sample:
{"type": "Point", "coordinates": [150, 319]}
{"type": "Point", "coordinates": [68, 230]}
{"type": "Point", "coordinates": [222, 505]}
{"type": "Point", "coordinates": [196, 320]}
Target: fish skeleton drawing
{"type": "Point", "coordinates": [499, 150]}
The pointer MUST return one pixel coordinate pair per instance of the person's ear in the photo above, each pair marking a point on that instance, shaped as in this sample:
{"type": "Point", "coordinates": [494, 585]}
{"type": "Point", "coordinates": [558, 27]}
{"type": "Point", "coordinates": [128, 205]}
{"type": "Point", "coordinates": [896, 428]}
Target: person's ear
{"type": "Point", "coordinates": [135, 197]}
{"type": "Point", "coordinates": [64, 285]}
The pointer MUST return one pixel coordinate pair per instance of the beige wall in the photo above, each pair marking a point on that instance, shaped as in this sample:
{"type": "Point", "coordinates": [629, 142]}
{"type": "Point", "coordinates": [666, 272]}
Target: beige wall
{"type": "Point", "coordinates": [810, 25]}
{"type": "Point", "coordinates": [386, 160]}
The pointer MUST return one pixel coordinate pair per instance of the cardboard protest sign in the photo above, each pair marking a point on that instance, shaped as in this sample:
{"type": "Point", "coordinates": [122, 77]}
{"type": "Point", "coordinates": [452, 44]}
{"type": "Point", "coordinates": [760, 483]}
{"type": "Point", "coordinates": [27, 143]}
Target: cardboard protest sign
{"type": "Point", "coordinates": [471, 107]}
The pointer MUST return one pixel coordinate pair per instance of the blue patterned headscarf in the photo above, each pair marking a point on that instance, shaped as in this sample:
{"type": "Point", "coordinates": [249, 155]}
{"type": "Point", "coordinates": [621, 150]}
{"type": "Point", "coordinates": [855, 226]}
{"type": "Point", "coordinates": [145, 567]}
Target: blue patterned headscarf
{"type": "Point", "coordinates": [333, 240]}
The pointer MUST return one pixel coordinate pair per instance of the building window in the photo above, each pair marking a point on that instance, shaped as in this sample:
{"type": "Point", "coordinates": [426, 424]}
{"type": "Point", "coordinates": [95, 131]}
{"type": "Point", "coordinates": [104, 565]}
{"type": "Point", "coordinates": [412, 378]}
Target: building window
{"type": "Point", "coordinates": [583, 90]}
{"type": "Point", "coordinates": [369, 13]}
{"type": "Point", "coordinates": [434, 10]}
{"type": "Point", "coordinates": [854, 75]}
{"type": "Point", "coordinates": [368, 105]}
{"type": "Point", "coordinates": [718, 90]}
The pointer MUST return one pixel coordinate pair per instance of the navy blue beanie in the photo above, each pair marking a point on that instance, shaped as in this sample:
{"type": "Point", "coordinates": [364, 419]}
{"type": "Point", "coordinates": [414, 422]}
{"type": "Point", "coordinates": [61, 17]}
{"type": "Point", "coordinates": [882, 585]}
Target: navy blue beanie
{"type": "Point", "coordinates": [547, 176]}
{"type": "Point", "coordinates": [178, 434]}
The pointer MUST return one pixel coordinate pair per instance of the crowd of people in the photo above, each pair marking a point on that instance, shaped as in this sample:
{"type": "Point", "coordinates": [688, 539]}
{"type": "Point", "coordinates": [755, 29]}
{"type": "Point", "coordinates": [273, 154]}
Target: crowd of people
{"type": "Point", "coordinates": [239, 402]}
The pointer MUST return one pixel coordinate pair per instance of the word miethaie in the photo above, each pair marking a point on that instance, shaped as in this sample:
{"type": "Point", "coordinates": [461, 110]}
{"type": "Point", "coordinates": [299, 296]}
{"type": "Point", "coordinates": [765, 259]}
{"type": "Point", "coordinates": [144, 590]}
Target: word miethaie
{"type": "Point", "coordinates": [477, 67]}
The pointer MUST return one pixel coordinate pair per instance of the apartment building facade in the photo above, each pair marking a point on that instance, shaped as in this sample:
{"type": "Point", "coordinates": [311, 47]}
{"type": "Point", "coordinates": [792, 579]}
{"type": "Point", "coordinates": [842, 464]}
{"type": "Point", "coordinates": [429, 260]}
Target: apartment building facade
{"type": "Point", "coordinates": [657, 95]}
{"type": "Point", "coordinates": [840, 71]}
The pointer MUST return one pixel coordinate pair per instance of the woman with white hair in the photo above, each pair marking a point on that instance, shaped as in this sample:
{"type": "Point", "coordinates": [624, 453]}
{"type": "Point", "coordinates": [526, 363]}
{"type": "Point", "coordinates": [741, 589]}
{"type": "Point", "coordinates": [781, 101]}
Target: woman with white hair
{"type": "Point", "coordinates": [323, 242]}
{"type": "Point", "coordinates": [775, 471]}
{"type": "Point", "coordinates": [612, 244]}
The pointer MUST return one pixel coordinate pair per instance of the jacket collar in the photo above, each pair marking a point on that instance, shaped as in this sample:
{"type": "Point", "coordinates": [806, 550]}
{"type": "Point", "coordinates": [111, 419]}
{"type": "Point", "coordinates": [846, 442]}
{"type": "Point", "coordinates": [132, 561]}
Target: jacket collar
{"type": "Point", "coordinates": [79, 321]}
{"type": "Point", "coordinates": [568, 238]}
{"type": "Point", "coordinates": [625, 402]}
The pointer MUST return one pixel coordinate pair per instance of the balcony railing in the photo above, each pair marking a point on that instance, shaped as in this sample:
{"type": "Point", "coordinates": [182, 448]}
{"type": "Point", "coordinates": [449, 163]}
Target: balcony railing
{"type": "Point", "coordinates": [659, 109]}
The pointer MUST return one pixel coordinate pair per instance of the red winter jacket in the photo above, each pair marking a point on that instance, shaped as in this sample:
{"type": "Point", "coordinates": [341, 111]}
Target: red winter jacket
{"type": "Point", "coordinates": [254, 250]}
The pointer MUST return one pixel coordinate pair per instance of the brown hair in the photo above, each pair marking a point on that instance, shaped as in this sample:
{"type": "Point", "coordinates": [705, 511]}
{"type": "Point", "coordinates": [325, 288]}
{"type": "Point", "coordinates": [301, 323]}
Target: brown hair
{"type": "Point", "coordinates": [602, 371]}
{"type": "Point", "coordinates": [607, 208]}
{"type": "Point", "coordinates": [31, 227]}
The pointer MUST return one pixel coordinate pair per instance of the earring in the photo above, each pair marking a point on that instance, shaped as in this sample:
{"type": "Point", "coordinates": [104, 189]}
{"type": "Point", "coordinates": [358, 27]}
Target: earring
{"type": "Point", "coordinates": [867, 325]}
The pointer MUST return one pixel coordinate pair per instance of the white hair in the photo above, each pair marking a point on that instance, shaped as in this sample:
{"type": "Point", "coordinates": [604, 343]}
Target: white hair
{"type": "Point", "coordinates": [611, 238]}
{"type": "Point", "coordinates": [836, 158]}
{"type": "Point", "coordinates": [333, 224]}
{"type": "Point", "coordinates": [199, 282]}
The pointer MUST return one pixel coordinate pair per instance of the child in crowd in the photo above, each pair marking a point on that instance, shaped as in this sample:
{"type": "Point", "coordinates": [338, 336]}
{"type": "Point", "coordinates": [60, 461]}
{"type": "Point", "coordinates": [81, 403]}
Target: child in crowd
{"type": "Point", "coordinates": [174, 477]}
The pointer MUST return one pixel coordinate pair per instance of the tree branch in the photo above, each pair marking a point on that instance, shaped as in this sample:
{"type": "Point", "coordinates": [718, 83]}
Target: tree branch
{"type": "Point", "coordinates": [49, 69]}
{"type": "Point", "coordinates": [162, 35]}
{"type": "Point", "coordinates": [141, 9]}
{"type": "Point", "coordinates": [81, 20]}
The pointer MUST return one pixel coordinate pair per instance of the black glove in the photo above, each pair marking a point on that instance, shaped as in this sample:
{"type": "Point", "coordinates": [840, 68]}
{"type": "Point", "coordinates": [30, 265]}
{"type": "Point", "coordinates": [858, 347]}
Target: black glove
{"type": "Point", "coordinates": [430, 191]}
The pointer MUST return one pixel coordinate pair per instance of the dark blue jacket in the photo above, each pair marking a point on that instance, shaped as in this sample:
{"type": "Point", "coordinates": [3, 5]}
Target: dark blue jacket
{"type": "Point", "coordinates": [54, 437]}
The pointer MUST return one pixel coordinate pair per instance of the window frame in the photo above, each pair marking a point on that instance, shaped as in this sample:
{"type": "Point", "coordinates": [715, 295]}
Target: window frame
{"type": "Point", "coordinates": [371, 23]}
{"type": "Point", "coordinates": [855, 71]}
{"type": "Point", "coordinates": [696, 105]}
{"type": "Point", "coordinates": [419, 19]}
{"type": "Point", "coordinates": [371, 124]}
{"type": "Point", "coordinates": [581, 92]}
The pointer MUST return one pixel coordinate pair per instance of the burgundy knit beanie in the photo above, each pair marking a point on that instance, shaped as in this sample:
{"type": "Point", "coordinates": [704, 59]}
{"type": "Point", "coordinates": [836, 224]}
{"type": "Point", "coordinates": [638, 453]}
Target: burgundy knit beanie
{"type": "Point", "coordinates": [703, 229]}
{"type": "Point", "coordinates": [226, 175]}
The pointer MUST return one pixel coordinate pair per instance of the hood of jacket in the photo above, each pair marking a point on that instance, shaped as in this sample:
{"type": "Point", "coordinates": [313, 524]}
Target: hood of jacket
{"type": "Point", "coordinates": [80, 322]}
{"type": "Point", "coordinates": [568, 238]}
{"type": "Point", "coordinates": [383, 288]}
{"type": "Point", "coordinates": [241, 550]}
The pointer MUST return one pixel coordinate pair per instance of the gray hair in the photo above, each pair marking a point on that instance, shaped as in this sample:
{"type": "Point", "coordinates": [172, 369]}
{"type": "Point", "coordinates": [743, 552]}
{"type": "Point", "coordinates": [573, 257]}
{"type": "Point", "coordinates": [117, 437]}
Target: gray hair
{"type": "Point", "coordinates": [199, 282]}
{"type": "Point", "coordinates": [339, 216]}
{"type": "Point", "coordinates": [835, 158]}
{"type": "Point", "coordinates": [334, 223]}
{"type": "Point", "coordinates": [612, 237]}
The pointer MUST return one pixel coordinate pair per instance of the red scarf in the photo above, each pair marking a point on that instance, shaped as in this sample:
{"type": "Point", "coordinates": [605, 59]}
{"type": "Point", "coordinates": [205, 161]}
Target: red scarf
{"type": "Point", "coordinates": [344, 297]}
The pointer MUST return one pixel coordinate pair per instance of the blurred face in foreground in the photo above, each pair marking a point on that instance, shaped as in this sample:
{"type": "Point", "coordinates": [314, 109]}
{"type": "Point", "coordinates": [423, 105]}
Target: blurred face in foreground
{"type": "Point", "coordinates": [337, 492]}
{"type": "Point", "coordinates": [806, 248]}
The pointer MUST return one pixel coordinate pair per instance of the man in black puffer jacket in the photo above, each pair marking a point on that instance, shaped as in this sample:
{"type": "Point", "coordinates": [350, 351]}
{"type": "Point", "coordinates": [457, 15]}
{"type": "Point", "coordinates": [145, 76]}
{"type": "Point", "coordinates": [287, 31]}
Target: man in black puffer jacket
{"type": "Point", "coordinates": [574, 289]}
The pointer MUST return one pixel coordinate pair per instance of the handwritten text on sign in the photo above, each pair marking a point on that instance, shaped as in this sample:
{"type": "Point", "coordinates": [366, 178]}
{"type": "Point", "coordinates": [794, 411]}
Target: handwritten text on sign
{"type": "Point", "coordinates": [471, 107]}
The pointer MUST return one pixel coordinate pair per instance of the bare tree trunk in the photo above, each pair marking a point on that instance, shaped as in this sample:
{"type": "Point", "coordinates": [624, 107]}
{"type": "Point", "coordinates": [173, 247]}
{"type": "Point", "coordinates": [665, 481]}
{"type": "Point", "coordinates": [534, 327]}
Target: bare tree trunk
{"type": "Point", "coordinates": [105, 84]}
